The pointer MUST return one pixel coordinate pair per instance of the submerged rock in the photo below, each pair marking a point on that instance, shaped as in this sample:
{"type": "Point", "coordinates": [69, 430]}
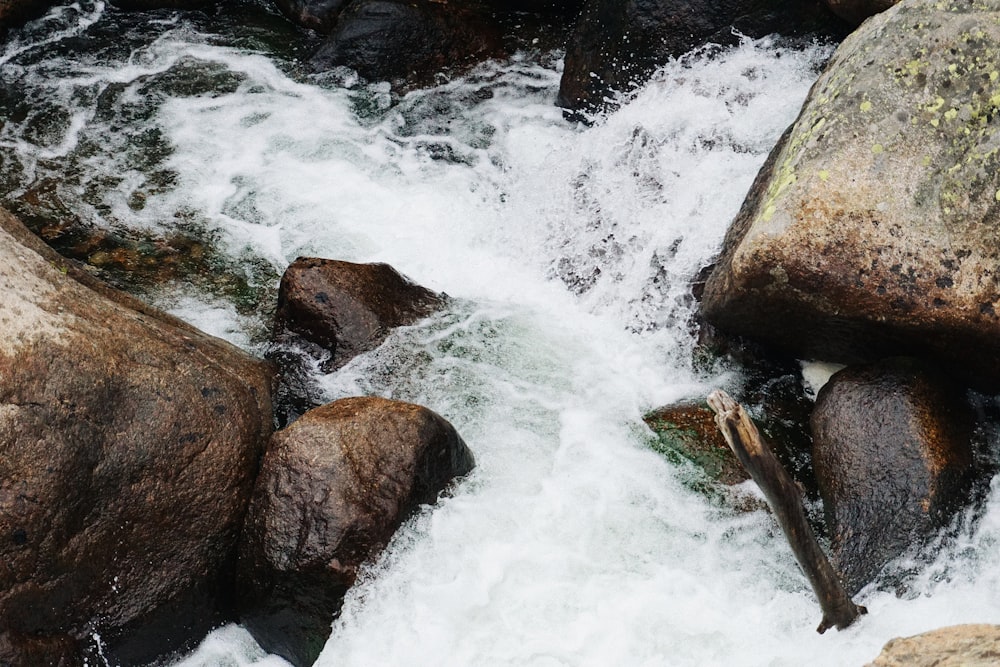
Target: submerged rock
{"type": "Point", "coordinates": [872, 230]}
{"type": "Point", "coordinates": [617, 44]}
{"type": "Point", "coordinates": [333, 488]}
{"type": "Point", "coordinates": [128, 446]}
{"type": "Point", "coordinates": [892, 455]}
{"type": "Point", "coordinates": [955, 646]}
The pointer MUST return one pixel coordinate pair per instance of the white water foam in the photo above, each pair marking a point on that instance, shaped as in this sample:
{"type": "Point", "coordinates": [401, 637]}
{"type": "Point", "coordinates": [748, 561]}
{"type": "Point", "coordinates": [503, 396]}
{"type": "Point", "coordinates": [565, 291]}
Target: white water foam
{"type": "Point", "coordinates": [569, 252]}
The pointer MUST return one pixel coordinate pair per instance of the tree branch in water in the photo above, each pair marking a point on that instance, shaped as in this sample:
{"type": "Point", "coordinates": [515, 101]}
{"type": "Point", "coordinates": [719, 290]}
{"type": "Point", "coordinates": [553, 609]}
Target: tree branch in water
{"type": "Point", "coordinates": [785, 499]}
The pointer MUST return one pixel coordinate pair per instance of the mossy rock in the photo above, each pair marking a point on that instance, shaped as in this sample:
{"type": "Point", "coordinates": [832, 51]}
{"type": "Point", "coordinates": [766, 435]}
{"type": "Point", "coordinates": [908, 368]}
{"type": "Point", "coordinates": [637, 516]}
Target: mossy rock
{"type": "Point", "coordinates": [686, 434]}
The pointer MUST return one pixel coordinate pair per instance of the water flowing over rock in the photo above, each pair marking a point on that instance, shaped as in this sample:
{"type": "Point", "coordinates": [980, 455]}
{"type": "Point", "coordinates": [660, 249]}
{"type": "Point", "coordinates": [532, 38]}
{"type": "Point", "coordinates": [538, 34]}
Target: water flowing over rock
{"type": "Point", "coordinates": [856, 11]}
{"type": "Point", "coordinates": [617, 45]}
{"type": "Point", "coordinates": [128, 446]}
{"type": "Point", "coordinates": [333, 488]}
{"type": "Point", "coordinates": [955, 646]}
{"type": "Point", "coordinates": [872, 230]}
{"type": "Point", "coordinates": [891, 450]}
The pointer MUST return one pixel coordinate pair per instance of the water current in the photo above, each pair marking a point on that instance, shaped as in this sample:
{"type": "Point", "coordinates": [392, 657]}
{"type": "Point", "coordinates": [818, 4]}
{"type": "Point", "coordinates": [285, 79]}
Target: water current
{"type": "Point", "coordinates": [569, 252]}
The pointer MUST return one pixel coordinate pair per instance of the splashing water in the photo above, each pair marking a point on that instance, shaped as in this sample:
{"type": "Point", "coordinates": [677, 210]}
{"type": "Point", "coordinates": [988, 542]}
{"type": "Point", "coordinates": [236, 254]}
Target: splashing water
{"type": "Point", "coordinates": [569, 252]}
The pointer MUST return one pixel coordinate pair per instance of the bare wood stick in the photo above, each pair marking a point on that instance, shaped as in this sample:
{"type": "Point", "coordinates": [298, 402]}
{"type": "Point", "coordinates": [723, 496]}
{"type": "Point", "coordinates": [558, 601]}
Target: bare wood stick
{"type": "Point", "coordinates": [785, 499]}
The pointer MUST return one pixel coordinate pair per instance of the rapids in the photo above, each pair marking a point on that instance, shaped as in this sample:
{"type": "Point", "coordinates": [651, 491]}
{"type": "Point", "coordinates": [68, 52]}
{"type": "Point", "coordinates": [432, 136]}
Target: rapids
{"type": "Point", "coordinates": [569, 252]}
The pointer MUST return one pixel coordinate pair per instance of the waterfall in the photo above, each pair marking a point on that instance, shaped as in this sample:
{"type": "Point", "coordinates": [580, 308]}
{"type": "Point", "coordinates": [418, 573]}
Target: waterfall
{"type": "Point", "coordinates": [569, 252]}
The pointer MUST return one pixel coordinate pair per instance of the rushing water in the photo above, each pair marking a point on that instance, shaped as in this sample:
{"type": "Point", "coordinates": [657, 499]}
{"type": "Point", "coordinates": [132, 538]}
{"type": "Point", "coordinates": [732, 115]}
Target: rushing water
{"type": "Point", "coordinates": [569, 252]}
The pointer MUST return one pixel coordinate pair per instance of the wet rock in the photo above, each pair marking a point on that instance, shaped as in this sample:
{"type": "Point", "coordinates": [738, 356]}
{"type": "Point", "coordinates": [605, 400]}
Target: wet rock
{"type": "Point", "coordinates": [411, 41]}
{"type": "Point", "coordinates": [333, 488]}
{"type": "Point", "coordinates": [617, 45]}
{"type": "Point", "coordinates": [686, 432]}
{"type": "Point", "coordinates": [955, 646]}
{"type": "Point", "coordinates": [892, 454]}
{"type": "Point", "coordinates": [15, 12]}
{"type": "Point", "coordinates": [330, 311]}
{"type": "Point", "coordinates": [872, 230]}
{"type": "Point", "coordinates": [856, 11]}
{"type": "Point", "coordinates": [318, 15]}
{"type": "Point", "coordinates": [128, 446]}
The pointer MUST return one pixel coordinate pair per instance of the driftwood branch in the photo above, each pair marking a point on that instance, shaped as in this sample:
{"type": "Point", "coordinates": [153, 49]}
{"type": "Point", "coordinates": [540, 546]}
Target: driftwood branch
{"type": "Point", "coordinates": [785, 499]}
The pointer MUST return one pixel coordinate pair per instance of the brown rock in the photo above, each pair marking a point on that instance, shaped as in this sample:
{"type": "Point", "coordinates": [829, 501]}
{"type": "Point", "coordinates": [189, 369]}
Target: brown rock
{"type": "Point", "coordinates": [128, 445]}
{"type": "Point", "coordinates": [872, 230]}
{"type": "Point", "coordinates": [956, 646]}
{"type": "Point", "coordinates": [333, 488]}
{"type": "Point", "coordinates": [348, 308]}
{"type": "Point", "coordinates": [892, 455]}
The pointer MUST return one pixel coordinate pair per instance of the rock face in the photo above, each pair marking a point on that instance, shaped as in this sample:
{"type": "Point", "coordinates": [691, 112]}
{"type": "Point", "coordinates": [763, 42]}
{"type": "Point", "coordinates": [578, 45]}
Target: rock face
{"type": "Point", "coordinates": [333, 488]}
{"type": "Point", "coordinates": [619, 43]}
{"type": "Point", "coordinates": [872, 230]}
{"type": "Point", "coordinates": [893, 461]}
{"type": "Point", "coordinates": [856, 11]}
{"type": "Point", "coordinates": [956, 646]}
{"type": "Point", "coordinates": [128, 446]}
{"type": "Point", "coordinates": [395, 40]}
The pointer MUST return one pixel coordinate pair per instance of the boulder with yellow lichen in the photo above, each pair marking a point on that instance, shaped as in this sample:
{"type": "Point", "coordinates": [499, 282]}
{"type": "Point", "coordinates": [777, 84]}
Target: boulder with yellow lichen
{"type": "Point", "coordinates": [874, 227]}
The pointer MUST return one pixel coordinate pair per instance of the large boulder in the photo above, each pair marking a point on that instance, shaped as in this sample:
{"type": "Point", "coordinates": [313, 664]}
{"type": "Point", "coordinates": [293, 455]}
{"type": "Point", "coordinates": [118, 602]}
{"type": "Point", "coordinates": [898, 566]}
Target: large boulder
{"type": "Point", "coordinates": [617, 44]}
{"type": "Point", "coordinates": [409, 41]}
{"type": "Point", "coordinates": [129, 442]}
{"type": "Point", "coordinates": [333, 488]}
{"type": "Point", "coordinates": [872, 229]}
{"type": "Point", "coordinates": [892, 456]}
{"type": "Point", "coordinates": [955, 646]}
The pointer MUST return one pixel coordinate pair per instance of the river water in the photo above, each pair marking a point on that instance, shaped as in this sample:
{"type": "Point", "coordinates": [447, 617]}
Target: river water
{"type": "Point", "coordinates": [569, 253]}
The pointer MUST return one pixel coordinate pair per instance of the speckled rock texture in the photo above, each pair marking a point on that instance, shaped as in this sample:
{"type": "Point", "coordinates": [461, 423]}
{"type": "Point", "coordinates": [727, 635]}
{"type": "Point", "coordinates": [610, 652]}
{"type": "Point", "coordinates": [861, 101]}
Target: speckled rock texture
{"type": "Point", "coordinates": [873, 228]}
{"type": "Point", "coordinates": [955, 646]}
{"type": "Point", "coordinates": [129, 442]}
{"type": "Point", "coordinates": [892, 456]}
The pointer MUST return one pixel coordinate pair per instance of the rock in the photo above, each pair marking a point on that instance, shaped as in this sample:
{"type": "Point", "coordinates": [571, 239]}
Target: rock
{"type": "Point", "coordinates": [318, 15]}
{"type": "Point", "coordinates": [892, 455]}
{"type": "Point", "coordinates": [872, 229]}
{"type": "Point", "coordinates": [330, 311]}
{"type": "Point", "coordinates": [333, 488]}
{"type": "Point", "coordinates": [856, 11]}
{"type": "Point", "coordinates": [618, 44]}
{"type": "Point", "coordinates": [409, 40]}
{"type": "Point", "coordinates": [128, 447]}
{"type": "Point", "coordinates": [348, 308]}
{"type": "Point", "coordinates": [955, 646]}
{"type": "Point", "coordinates": [686, 432]}
{"type": "Point", "coordinates": [15, 12]}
